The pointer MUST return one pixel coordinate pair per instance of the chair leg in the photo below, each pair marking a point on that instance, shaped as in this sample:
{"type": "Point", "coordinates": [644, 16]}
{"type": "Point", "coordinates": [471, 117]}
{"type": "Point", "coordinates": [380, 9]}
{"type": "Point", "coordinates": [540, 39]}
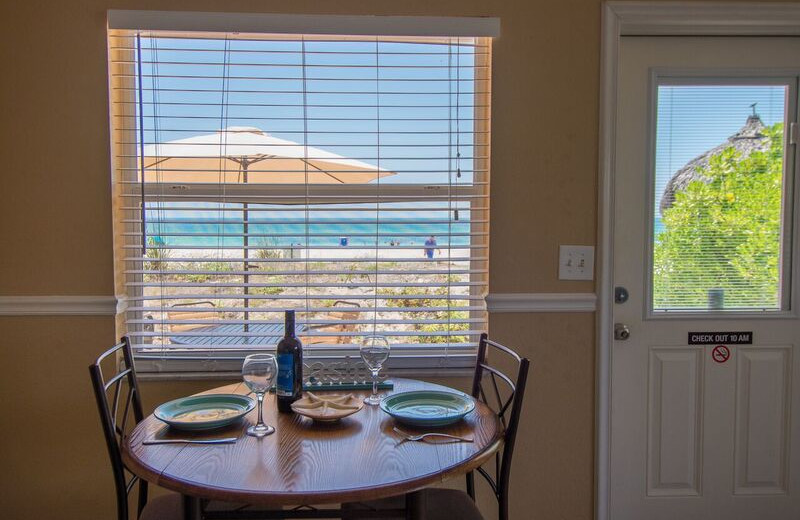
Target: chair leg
{"type": "Point", "coordinates": [191, 508]}
{"type": "Point", "coordinates": [471, 485]}
{"type": "Point", "coordinates": [142, 498]}
{"type": "Point", "coordinates": [415, 505]}
{"type": "Point", "coordinates": [345, 510]}
{"type": "Point", "coordinates": [503, 502]}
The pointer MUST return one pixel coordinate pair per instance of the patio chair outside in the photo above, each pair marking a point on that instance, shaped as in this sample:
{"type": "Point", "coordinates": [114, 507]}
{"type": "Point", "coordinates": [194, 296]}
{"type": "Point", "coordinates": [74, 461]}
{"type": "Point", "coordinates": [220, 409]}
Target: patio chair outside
{"type": "Point", "coordinates": [350, 312]}
{"type": "Point", "coordinates": [177, 314]}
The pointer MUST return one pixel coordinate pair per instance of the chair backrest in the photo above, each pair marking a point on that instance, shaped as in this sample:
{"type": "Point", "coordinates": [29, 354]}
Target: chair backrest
{"type": "Point", "coordinates": [351, 313]}
{"type": "Point", "coordinates": [486, 386]}
{"type": "Point", "coordinates": [177, 314]}
{"type": "Point", "coordinates": [118, 399]}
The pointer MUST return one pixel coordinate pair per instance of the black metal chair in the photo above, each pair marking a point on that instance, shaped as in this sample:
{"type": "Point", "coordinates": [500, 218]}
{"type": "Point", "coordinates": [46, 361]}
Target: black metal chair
{"type": "Point", "coordinates": [118, 399]}
{"type": "Point", "coordinates": [452, 504]}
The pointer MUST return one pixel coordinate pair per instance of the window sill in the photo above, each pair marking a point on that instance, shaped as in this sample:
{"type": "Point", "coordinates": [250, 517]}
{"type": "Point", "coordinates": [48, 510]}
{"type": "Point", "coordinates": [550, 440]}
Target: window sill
{"type": "Point", "coordinates": [416, 373]}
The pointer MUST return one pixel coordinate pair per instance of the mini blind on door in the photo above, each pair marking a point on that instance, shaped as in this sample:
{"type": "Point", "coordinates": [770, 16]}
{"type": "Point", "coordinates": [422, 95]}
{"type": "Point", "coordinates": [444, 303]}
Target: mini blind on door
{"type": "Point", "coordinates": [344, 177]}
{"type": "Point", "coordinates": [720, 224]}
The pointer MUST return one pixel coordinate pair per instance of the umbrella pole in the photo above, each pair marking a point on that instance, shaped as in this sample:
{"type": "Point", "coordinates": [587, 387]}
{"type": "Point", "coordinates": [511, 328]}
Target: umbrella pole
{"type": "Point", "coordinates": [246, 241]}
{"type": "Point", "coordinates": [246, 269]}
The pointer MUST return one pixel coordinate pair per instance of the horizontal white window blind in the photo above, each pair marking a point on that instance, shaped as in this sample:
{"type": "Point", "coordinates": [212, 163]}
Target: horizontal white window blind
{"type": "Point", "coordinates": [345, 177]}
{"type": "Point", "coordinates": [720, 222]}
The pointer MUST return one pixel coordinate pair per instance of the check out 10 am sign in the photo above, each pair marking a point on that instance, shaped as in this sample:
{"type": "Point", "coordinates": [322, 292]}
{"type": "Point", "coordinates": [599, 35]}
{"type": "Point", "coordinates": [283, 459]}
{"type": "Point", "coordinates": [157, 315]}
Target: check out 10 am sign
{"type": "Point", "coordinates": [721, 353]}
{"type": "Point", "coordinates": [721, 338]}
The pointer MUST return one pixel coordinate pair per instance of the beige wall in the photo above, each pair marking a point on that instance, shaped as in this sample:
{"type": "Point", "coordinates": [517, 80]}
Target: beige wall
{"type": "Point", "coordinates": [55, 223]}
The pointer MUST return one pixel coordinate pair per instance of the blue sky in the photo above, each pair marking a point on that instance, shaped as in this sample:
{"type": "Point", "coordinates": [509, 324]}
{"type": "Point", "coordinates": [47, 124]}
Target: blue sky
{"type": "Point", "coordinates": [418, 134]}
{"type": "Point", "coordinates": [431, 121]}
{"type": "Point", "coordinates": [691, 118]}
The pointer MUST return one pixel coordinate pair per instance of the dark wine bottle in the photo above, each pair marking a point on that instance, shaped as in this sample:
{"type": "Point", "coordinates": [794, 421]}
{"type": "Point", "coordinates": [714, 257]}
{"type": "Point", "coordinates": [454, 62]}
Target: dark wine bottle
{"type": "Point", "coordinates": [290, 367]}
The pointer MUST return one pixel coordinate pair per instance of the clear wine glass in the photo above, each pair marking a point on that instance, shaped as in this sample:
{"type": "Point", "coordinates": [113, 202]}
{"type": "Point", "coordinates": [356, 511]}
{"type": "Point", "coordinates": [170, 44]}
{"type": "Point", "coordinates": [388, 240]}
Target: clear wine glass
{"type": "Point", "coordinates": [258, 372]}
{"type": "Point", "coordinates": [374, 351]}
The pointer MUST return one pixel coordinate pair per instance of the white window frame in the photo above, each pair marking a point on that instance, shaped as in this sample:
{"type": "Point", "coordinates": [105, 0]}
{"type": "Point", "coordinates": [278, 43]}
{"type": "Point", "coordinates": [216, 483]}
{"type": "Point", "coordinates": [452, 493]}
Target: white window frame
{"type": "Point", "coordinates": [197, 365]}
{"type": "Point", "coordinates": [680, 76]}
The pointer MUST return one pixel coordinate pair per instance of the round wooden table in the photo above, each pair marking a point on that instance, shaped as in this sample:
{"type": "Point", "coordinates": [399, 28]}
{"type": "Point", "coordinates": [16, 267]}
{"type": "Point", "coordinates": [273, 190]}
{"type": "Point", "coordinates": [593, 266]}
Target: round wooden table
{"type": "Point", "coordinates": [356, 459]}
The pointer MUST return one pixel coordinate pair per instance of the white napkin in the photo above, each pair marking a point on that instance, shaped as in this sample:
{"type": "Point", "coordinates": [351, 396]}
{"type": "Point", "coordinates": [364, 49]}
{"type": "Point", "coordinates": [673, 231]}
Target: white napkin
{"type": "Point", "coordinates": [328, 405]}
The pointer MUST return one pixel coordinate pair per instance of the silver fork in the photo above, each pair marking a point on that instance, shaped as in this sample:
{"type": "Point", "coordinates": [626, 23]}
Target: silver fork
{"type": "Point", "coordinates": [226, 440]}
{"type": "Point", "coordinates": [408, 437]}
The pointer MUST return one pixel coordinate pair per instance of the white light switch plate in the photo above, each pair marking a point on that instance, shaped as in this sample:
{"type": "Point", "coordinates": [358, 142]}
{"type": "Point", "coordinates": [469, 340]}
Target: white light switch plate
{"type": "Point", "coordinates": [575, 262]}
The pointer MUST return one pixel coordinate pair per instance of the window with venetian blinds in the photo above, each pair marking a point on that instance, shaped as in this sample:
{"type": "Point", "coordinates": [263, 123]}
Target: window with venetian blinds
{"type": "Point", "coordinates": [720, 224]}
{"type": "Point", "coordinates": [345, 177]}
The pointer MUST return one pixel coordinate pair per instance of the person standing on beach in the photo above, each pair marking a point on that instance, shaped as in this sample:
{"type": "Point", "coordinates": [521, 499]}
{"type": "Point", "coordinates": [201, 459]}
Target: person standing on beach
{"type": "Point", "coordinates": [430, 244]}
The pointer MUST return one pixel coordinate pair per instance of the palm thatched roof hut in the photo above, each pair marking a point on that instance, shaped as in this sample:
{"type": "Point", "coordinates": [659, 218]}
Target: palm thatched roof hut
{"type": "Point", "coordinates": [750, 138]}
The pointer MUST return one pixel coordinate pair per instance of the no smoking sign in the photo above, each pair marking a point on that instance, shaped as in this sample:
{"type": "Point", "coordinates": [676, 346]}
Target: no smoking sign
{"type": "Point", "coordinates": [720, 354]}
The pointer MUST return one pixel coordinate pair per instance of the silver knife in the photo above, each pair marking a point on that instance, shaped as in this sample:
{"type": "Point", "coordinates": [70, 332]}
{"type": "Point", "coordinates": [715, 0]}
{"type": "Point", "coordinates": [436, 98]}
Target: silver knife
{"type": "Point", "coordinates": [226, 440]}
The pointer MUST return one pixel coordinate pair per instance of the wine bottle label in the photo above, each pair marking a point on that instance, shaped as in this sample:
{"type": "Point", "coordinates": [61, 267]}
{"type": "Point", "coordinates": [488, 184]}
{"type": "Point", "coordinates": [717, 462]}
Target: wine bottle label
{"type": "Point", "coordinates": [285, 385]}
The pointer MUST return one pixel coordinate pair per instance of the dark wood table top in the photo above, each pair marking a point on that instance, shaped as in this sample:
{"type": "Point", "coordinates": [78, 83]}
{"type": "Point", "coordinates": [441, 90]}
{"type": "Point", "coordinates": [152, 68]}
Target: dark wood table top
{"type": "Point", "coordinates": [356, 459]}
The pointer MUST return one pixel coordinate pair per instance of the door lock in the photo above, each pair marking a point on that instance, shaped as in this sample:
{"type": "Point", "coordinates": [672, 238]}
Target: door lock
{"type": "Point", "coordinates": [620, 294]}
{"type": "Point", "coordinates": [621, 332]}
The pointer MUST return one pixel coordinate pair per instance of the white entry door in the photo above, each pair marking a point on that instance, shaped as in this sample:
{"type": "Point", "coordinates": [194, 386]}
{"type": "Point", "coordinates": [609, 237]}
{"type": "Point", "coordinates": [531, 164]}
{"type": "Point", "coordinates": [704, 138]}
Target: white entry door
{"type": "Point", "coordinates": [705, 381]}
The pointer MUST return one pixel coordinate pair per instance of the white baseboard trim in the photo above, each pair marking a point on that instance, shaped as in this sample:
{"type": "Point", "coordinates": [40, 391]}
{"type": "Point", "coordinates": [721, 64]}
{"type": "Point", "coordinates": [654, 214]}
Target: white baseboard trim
{"type": "Point", "coordinates": [541, 302]}
{"type": "Point", "coordinates": [58, 305]}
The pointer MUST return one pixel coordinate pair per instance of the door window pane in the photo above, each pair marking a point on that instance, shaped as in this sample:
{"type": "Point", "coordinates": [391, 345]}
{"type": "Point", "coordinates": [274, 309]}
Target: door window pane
{"type": "Point", "coordinates": [717, 202]}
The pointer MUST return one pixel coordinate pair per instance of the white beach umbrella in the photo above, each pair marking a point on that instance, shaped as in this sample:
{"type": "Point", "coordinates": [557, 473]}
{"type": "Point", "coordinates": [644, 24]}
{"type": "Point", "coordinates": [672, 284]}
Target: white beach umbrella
{"type": "Point", "coordinates": [249, 155]}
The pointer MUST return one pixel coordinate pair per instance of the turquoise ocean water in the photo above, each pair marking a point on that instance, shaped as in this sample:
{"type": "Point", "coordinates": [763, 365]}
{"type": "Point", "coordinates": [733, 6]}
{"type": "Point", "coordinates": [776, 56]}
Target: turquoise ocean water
{"type": "Point", "coordinates": [174, 233]}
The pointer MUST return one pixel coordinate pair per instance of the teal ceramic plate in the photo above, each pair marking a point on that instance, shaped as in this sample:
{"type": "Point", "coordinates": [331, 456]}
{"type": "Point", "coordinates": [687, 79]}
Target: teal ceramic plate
{"type": "Point", "coordinates": [428, 407]}
{"type": "Point", "coordinates": [204, 412]}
